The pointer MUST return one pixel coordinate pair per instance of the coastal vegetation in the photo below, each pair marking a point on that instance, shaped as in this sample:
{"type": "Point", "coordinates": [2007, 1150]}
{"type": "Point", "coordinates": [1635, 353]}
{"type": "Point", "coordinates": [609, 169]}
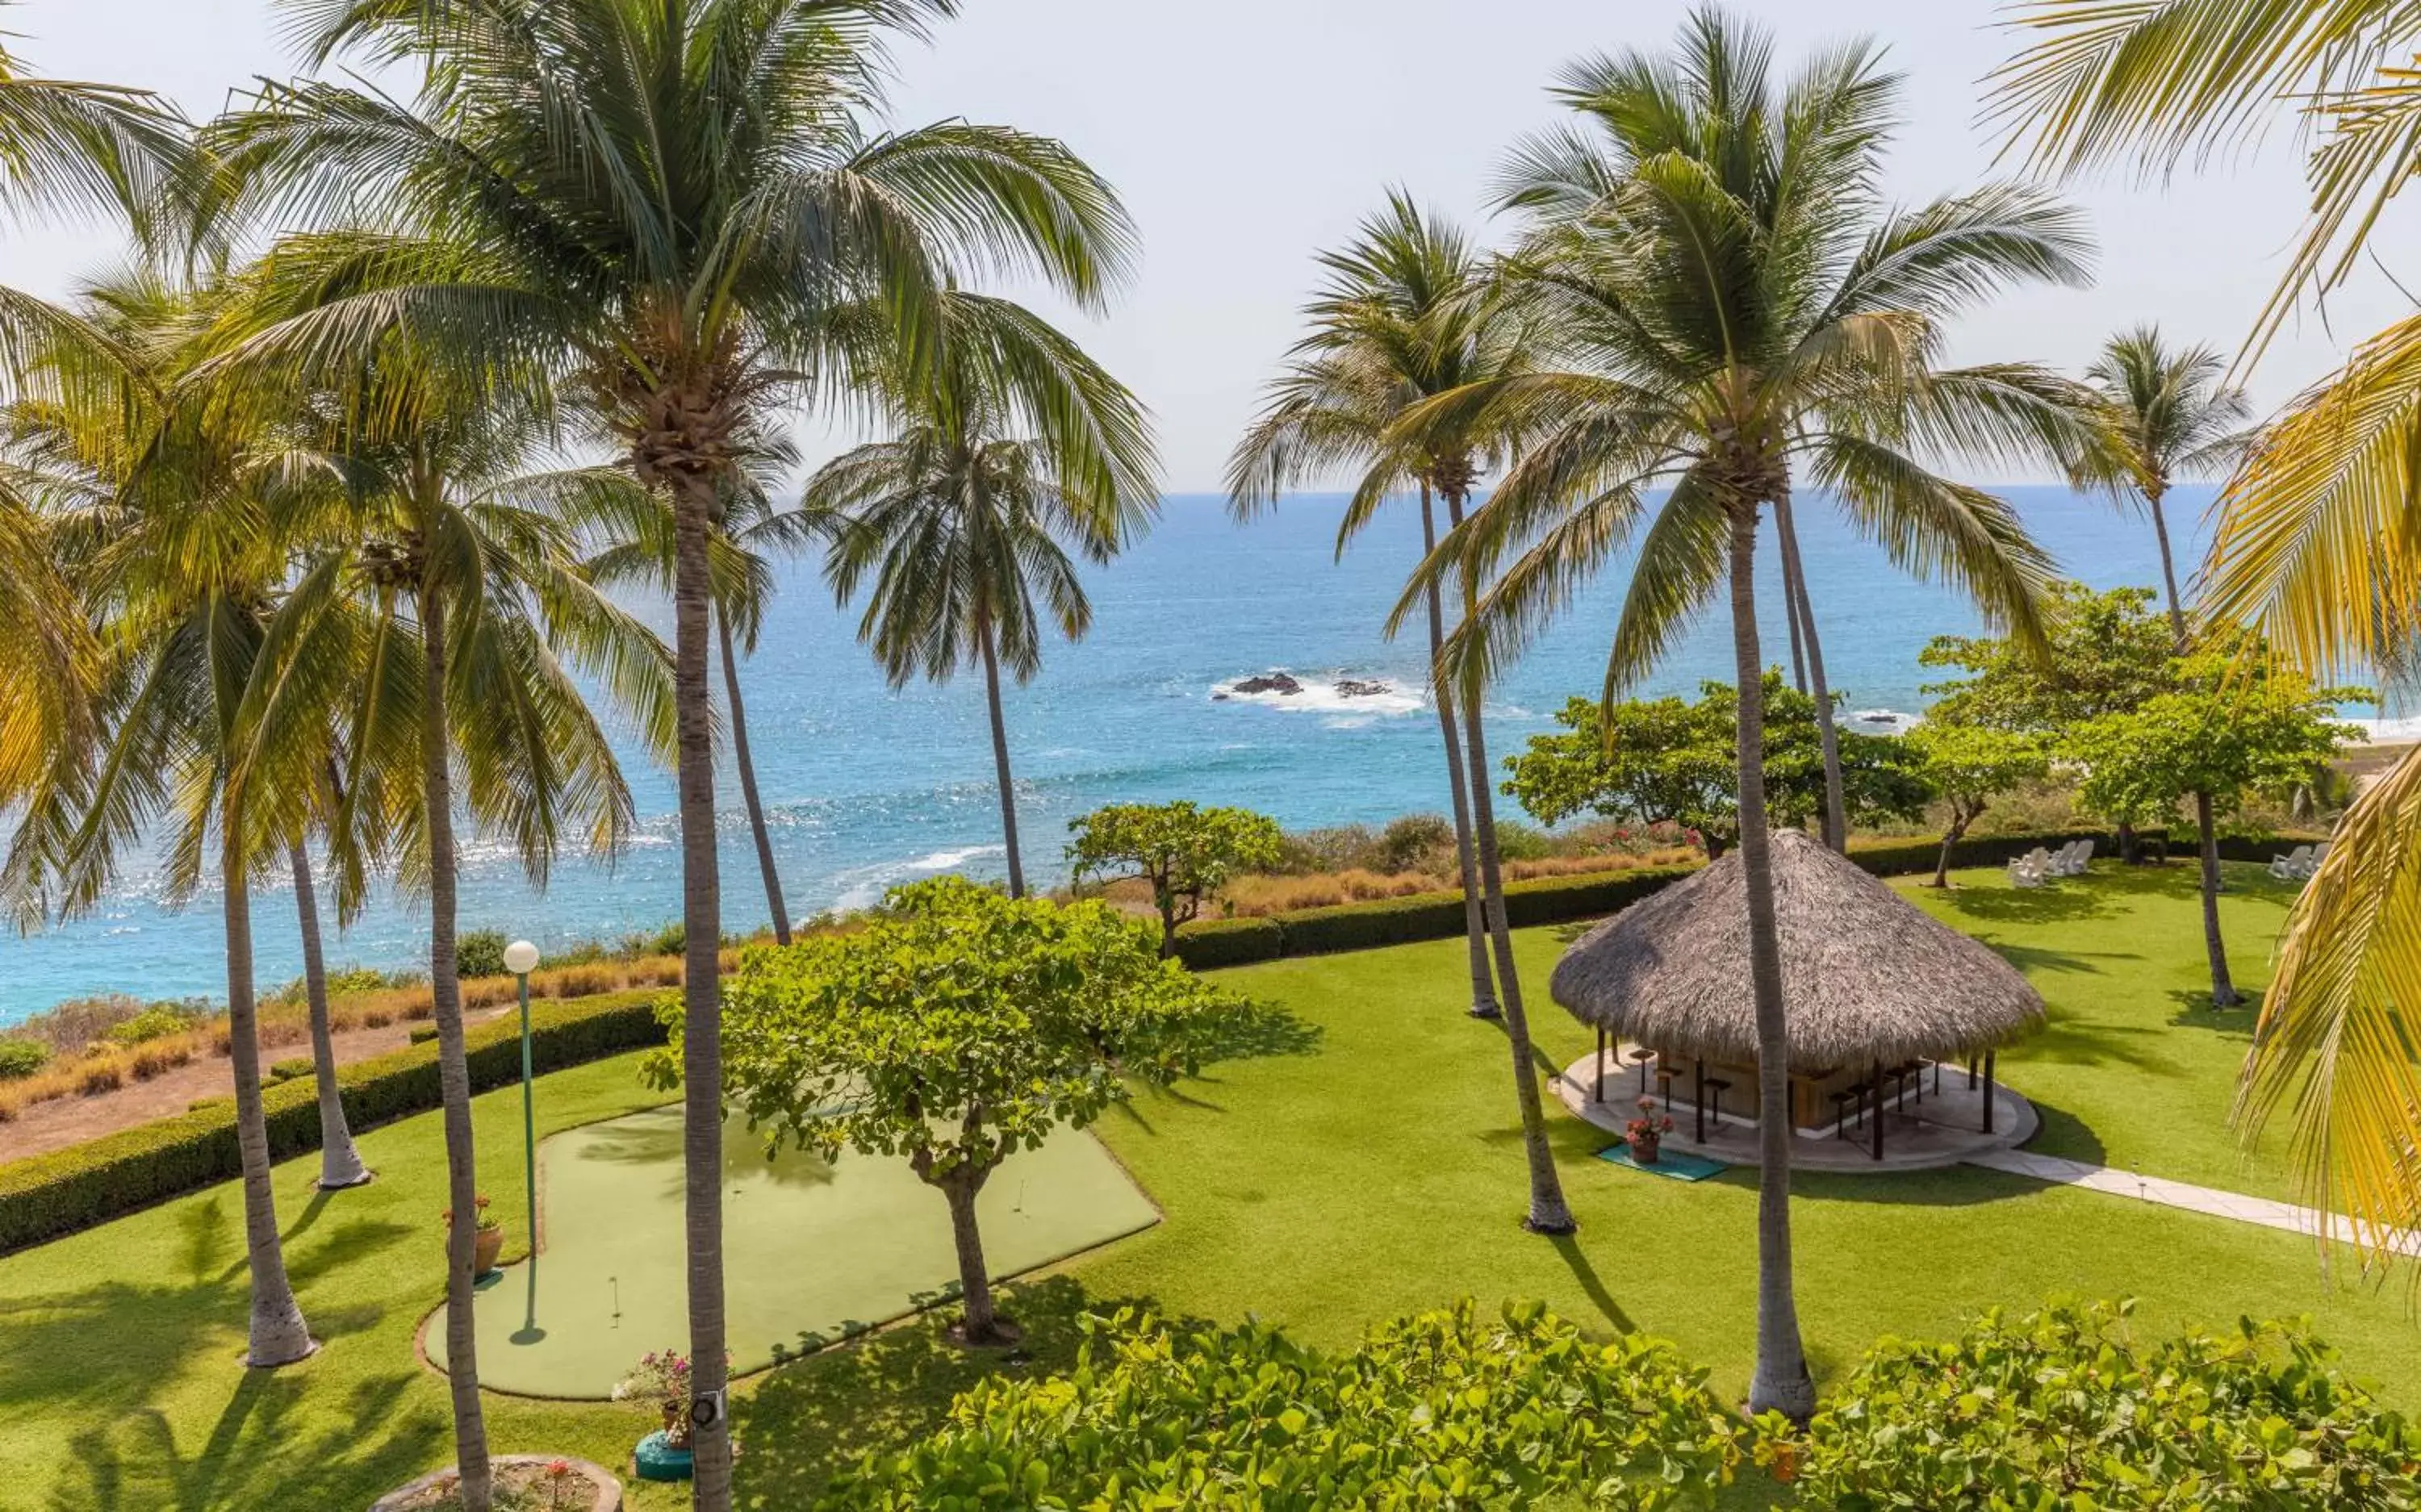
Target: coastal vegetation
{"type": "Point", "coordinates": [321, 525]}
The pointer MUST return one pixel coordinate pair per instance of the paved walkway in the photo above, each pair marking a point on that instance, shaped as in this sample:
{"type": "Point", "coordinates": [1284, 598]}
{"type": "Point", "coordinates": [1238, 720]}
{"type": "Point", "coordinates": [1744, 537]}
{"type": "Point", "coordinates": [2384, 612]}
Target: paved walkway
{"type": "Point", "coordinates": [2210, 1200]}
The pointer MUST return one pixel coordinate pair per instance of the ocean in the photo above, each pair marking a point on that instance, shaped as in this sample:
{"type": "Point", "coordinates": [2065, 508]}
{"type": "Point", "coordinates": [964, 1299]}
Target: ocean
{"type": "Point", "coordinates": [867, 786]}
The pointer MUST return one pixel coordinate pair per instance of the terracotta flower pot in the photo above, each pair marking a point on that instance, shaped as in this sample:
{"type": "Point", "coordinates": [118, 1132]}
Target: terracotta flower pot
{"type": "Point", "coordinates": [489, 1244]}
{"type": "Point", "coordinates": [1647, 1148]}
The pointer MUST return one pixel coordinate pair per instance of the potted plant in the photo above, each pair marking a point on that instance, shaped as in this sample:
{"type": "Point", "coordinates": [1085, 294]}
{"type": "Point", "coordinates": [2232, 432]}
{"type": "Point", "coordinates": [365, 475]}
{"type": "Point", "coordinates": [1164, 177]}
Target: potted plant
{"type": "Point", "coordinates": [489, 1242]}
{"type": "Point", "coordinates": [661, 1380]}
{"type": "Point", "coordinates": [1645, 1133]}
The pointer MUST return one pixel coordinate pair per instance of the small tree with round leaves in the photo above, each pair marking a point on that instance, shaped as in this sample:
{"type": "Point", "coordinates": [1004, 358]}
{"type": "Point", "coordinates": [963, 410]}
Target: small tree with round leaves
{"type": "Point", "coordinates": [957, 1027]}
{"type": "Point", "coordinates": [1187, 854]}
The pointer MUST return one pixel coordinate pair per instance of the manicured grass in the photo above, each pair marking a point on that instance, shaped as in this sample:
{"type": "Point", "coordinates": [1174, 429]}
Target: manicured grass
{"type": "Point", "coordinates": [1363, 1162]}
{"type": "Point", "coordinates": [613, 1280]}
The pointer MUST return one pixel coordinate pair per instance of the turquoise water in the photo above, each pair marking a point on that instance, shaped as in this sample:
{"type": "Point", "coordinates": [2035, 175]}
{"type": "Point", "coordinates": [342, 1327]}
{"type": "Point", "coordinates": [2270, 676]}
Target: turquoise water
{"type": "Point", "coordinates": [867, 786]}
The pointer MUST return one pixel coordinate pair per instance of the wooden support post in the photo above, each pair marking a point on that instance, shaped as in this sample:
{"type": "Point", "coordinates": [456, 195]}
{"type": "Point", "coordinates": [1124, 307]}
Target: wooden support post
{"type": "Point", "coordinates": [1597, 1093]}
{"type": "Point", "coordinates": [1878, 1082]}
{"type": "Point", "coordinates": [1989, 1056]}
{"type": "Point", "coordinates": [1698, 1096]}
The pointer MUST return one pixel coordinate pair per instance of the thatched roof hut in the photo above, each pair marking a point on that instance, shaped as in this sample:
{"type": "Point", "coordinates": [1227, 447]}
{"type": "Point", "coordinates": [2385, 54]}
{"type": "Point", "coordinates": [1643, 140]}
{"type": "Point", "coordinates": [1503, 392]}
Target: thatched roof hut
{"type": "Point", "coordinates": [1868, 977]}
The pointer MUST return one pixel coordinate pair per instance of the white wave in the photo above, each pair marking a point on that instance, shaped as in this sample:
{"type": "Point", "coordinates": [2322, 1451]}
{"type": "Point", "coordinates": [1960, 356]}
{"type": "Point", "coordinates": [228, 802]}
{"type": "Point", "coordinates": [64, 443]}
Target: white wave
{"type": "Point", "coordinates": [2386, 731]}
{"type": "Point", "coordinates": [863, 886]}
{"type": "Point", "coordinates": [1320, 694]}
{"type": "Point", "coordinates": [1884, 722]}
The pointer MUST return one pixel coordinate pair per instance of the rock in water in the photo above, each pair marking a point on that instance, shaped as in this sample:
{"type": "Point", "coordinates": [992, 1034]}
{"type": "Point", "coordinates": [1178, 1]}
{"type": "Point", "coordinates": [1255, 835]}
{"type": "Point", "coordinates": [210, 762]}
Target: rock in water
{"type": "Point", "coordinates": [1352, 688]}
{"type": "Point", "coordinates": [1276, 682]}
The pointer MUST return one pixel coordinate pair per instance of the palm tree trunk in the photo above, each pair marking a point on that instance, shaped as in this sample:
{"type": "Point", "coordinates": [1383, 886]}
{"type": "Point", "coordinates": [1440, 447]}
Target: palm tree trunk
{"type": "Point", "coordinates": [1549, 1213]}
{"type": "Point", "coordinates": [453, 1069]}
{"type": "Point", "coordinates": [1781, 1383]}
{"type": "Point", "coordinates": [701, 986]}
{"type": "Point", "coordinates": [748, 784]}
{"type": "Point", "coordinates": [277, 1335]}
{"type": "Point", "coordinates": [1802, 613]}
{"type": "Point", "coordinates": [1475, 918]}
{"type": "Point", "coordinates": [1793, 594]}
{"type": "Point", "coordinates": [1000, 761]}
{"type": "Point", "coordinates": [340, 1163]}
{"type": "Point", "coordinates": [2222, 987]}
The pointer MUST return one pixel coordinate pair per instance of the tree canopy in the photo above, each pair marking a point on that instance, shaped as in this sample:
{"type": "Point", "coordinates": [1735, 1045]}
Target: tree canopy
{"type": "Point", "coordinates": [956, 1028]}
{"type": "Point", "coordinates": [2104, 652]}
{"type": "Point", "coordinates": [2229, 728]}
{"type": "Point", "coordinates": [1186, 852]}
{"type": "Point", "coordinates": [1658, 759]}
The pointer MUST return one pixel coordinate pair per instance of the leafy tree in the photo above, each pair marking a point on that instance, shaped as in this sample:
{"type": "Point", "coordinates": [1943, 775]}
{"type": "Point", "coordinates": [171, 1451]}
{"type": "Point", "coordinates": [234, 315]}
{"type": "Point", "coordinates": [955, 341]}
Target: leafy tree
{"type": "Point", "coordinates": [1186, 852]}
{"type": "Point", "coordinates": [1450, 1409]}
{"type": "Point", "coordinates": [956, 1028]}
{"type": "Point", "coordinates": [2101, 653]}
{"type": "Point", "coordinates": [1723, 297]}
{"type": "Point", "coordinates": [973, 510]}
{"type": "Point", "coordinates": [2230, 728]}
{"type": "Point", "coordinates": [1651, 760]}
{"type": "Point", "coordinates": [676, 213]}
{"type": "Point", "coordinates": [1968, 766]}
{"type": "Point", "coordinates": [2314, 549]}
{"type": "Point", "coordinates": [1407, 314]}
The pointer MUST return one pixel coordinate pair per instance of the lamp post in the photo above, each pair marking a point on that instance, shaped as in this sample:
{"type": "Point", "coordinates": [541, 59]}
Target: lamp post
{"type": "Point", "coordinates": [520, 958]}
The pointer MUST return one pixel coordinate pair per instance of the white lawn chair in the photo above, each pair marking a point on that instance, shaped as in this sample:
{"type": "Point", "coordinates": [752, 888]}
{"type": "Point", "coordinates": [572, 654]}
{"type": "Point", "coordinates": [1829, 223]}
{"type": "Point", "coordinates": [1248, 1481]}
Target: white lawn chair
{"type": "Point", "coordinates": [2066, 861]}
{"type": "Point", "coordinates": [2294, 866]}
{"type": "Point", "coordinates": [2084, 857]}
{"type": "Point", "coordinates": [2031, 869]}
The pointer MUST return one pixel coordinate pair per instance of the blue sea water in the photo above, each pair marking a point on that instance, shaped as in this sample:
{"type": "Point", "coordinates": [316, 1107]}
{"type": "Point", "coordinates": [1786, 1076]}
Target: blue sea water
{"type": "Point", "coordinates": [867, 786]}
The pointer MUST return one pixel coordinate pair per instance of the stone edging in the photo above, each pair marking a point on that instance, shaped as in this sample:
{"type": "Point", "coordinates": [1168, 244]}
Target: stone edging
{"type": "Point", "coordinates": [609, 1489]}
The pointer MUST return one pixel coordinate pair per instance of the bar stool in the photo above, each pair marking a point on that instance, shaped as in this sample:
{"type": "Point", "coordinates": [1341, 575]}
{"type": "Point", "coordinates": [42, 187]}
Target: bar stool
{"type": "Point", "coordinates": [1718, 1087]}
{"type": "Point", "coordinates": [1641, 1057]}
{"type": "Point", "coordinates": [1843, 1100]}
{"type": "Point", "coordinates": [1663, 1085]}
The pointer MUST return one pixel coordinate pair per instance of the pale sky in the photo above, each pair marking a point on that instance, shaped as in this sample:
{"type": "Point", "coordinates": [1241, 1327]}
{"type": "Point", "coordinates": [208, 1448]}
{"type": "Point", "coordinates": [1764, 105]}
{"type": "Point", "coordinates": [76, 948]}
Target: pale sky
{"type": "Point", "coordinates": [1248, 134]}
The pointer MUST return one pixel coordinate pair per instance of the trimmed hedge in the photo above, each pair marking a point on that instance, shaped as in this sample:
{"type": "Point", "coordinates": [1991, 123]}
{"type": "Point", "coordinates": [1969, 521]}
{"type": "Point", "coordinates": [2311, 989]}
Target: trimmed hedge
{"type": "Point", "coordinates": [47, 1195]}
{"type": "Point", "coordinates": [1394, 921]}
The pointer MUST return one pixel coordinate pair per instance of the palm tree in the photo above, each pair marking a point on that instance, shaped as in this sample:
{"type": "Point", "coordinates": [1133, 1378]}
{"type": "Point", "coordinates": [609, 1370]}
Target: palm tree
{"type": "Point", "coordinates": [2315, 550]}
{"type": "Point", "coordinates": [1712, 262]}
{"type": "Point", "coordinates": [963, 518]}
{"type": "Point", "coordinates": [749, 534]}
{"type": "Point", "coordinates": [2170, 416]}
{"type": "Point", "coordinates": [181, 581]}
{"type": "Point", "coordinates": [661, 203]}
{"type": "Point", "coordinates": [341, 1162]}
{"type": "Point", "coordinates": [451, 584]}
{"type": "Point", "coordinates": [78, 149]}
{"type": "Point", "coordinates": [1403, 317]}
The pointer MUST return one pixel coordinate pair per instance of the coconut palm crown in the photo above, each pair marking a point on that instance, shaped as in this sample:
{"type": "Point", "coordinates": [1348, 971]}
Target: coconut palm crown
{"type": "Point", "coordinates": [662, 203]}
{"type": "Point", "coordinates": [966, 527]}
{"type": "Point", "coordinates": [1725, 302]}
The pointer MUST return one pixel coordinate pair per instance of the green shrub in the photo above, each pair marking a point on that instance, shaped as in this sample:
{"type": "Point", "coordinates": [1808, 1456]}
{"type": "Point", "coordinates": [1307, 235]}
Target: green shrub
{"type": "Point", "coordinates": [46, 1195]}
{"type": "Point", "coordinates": [158, 1021]}
{"type": "Point", "coordinates": [1385, 921]}
{"type": "Point", "coordinates": [22, 1058]}
{"type": "Point", "coordinates": [2064, 1407]}
{"type": "Point", "coordinates": [1517, 841]}
{"type": "Point", "coordinates": [1409, 843]}
{"type": "Point", "coordinates": [481, 953]}
{"type": "Point", "coordinates": [1448, 1409]}
{"type": "Point", "coordinates": [1211, 942]}
{"type": "Point", "coordinates": [287, 1070]}
{"type": "Point", "coordinates": [421, 1033]}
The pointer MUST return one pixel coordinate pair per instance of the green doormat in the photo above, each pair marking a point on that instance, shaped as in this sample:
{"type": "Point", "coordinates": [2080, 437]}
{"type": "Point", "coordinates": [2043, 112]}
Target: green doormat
{"type": "Point", "coordinates": [1671, 1162]}
{"type": "Point", "coordinates": [812, 1251]}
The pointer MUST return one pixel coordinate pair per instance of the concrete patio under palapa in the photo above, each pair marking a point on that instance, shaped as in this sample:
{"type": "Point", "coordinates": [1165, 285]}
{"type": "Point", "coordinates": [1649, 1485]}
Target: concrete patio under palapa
{"type": "Point", "coordinates": [1942, 1129]}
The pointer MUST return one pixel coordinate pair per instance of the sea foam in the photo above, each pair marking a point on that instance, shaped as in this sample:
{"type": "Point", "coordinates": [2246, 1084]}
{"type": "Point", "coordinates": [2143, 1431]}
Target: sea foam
{"type": "Point", "coordinates": [1321, 695]}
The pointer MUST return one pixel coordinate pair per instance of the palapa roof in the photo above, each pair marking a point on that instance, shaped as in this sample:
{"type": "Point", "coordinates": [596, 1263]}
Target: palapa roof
{"type": "Point", "coordinates": [1866, 975]}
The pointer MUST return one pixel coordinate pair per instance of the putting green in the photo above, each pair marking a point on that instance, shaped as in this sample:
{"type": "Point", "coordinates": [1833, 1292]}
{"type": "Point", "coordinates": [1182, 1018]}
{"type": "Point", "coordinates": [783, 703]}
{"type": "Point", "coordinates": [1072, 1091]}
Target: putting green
{"type": "Point", "coordinates": [812, 1251]}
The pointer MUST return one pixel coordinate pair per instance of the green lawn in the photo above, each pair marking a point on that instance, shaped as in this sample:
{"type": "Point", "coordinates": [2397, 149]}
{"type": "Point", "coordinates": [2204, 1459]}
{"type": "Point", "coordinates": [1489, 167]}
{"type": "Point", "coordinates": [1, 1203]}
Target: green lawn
{"type": "Point", "coordinates": [1364, 1163]}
